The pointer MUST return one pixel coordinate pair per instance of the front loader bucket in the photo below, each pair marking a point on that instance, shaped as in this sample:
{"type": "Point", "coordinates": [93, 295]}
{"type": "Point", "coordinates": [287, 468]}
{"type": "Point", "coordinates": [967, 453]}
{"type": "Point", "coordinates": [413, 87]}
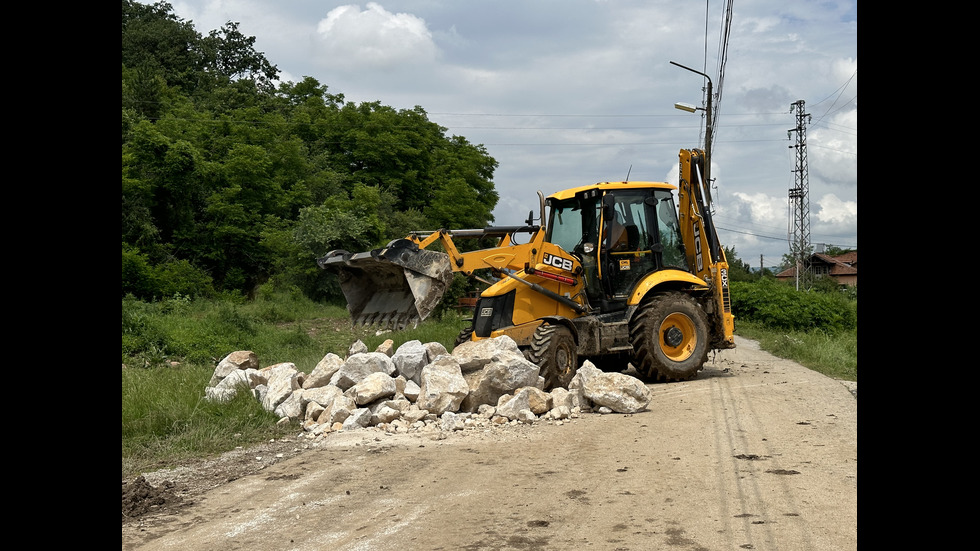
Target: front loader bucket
{"type": "Point", "coordinates": [394, 287]}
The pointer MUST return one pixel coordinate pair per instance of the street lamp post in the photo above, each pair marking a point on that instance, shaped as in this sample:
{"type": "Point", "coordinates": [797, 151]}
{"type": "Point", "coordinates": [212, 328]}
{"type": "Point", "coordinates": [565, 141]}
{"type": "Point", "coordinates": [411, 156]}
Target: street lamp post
{"type": "Point", "coordinates": [708, 128]}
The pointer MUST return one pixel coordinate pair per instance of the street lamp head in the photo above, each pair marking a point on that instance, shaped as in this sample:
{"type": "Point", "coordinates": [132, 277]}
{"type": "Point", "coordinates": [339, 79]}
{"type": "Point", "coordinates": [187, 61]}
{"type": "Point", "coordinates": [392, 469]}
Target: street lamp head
{"type": "Point", "coordinates": [685, 107]}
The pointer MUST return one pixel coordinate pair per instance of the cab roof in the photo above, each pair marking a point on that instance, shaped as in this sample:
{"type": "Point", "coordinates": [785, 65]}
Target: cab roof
{"type": "Point", "coordinates": [609, 186]}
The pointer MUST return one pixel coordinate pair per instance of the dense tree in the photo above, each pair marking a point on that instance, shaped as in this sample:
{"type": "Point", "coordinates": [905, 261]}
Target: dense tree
{"type": "Point", "coordinates": [738, 269]}
{"type": "Point", "coordinates": [231, 179]}
{"type": "Point", "coordinates": [156, 43]}
{"type": "Point", "coordinates": [230, 56]}
{"type": "Point", "coordinates": [833, 250]}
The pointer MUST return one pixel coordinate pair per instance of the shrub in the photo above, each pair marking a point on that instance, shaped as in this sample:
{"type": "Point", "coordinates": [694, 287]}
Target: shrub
{"type": "Point", "coordinates": [137, 274]}
{"type": "Point", "coordinates": [180, 277]}
{"type": "Point", "coordinates": [781, 307]}
{"type": "Point", "coordinates": [146, 281]}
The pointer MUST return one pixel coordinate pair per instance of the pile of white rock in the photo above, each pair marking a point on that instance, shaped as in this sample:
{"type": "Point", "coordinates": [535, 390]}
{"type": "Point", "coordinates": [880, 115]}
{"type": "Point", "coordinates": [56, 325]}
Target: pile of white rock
{"type": "Point", "coordinates": [422, 386]}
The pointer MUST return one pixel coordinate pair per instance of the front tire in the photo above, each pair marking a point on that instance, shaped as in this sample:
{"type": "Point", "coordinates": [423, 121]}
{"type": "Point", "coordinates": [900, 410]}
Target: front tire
{"type": "Point", "coordinates": [670, 338]}
{"type": "Point", "coordinates": [553, 350]}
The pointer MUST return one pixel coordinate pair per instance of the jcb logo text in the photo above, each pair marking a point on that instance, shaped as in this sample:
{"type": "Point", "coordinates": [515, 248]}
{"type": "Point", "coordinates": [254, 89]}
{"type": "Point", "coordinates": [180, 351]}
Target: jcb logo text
{"type": "Point", "coordinates": [557, 262]}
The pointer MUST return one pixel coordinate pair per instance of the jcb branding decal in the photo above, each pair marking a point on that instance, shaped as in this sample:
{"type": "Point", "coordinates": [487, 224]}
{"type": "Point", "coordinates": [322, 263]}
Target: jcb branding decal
{"type": "Point", "coordinates": [697, 248]}
{"type": "Point", "coordinates": [486, 312]}
{"type": "Point", "coordinates": [557, 262]}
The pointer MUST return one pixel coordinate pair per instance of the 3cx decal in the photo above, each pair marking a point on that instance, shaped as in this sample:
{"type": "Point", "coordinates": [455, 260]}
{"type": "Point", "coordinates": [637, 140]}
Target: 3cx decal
{"type": "Point", "coordinates": [698, 261]}
{"type": "Point", "coordinates": [557, 262]}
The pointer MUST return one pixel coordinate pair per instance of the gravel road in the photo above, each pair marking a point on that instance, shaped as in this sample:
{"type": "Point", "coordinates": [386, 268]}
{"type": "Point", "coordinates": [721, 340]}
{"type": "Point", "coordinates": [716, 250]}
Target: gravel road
{"type": "Point", "coordinates": [755, 453]}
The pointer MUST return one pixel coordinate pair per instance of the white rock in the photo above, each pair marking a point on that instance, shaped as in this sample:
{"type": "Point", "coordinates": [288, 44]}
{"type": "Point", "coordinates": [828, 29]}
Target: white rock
{"type": "Point", "coordinates": [442, 387]}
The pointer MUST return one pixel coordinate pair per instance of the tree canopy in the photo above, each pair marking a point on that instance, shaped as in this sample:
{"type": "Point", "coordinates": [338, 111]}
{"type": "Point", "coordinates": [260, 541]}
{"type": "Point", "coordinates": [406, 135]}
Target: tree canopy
{"type": "Point", "coordinates": [231, 178]}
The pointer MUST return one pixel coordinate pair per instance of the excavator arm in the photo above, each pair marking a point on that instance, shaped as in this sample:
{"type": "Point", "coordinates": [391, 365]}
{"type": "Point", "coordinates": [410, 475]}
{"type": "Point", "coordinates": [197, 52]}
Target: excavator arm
{"type": "Point", "coordinates": [400, 284]}
{"type": "Point", "coordinates": [705, 256]}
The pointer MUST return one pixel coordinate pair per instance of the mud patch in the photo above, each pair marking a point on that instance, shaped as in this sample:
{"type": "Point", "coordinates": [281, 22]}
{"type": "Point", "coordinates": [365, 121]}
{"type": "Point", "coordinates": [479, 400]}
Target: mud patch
{"type": "Point", "coordinates": [285, 477]}
{"type": "Point", "coordinates": [749, 457]}
{"type": "Point", "coordinates": [139, 498]}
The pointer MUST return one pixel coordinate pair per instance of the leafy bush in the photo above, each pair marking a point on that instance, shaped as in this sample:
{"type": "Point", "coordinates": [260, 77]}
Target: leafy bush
{"type": "Point", "coordinates": [781, 307]}
{"type": "Point", "coordinates": [143, 334]}
{"type": "Point", "coordinates": [144, 280]}
{"type": "Point", "coordinates": [180, 277]}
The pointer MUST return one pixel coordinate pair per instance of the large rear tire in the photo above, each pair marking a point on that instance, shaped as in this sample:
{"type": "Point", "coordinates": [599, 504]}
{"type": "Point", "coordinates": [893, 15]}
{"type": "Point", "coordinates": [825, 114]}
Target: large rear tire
{"type": "Point", "coordinates": [670, 338]}
{"type": "Point", "coordinates": [553, 350]}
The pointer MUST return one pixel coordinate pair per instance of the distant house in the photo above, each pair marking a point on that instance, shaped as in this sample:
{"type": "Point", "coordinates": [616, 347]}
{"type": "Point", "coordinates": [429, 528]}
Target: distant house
{"type": "Point", "coordinates": [843, 268]}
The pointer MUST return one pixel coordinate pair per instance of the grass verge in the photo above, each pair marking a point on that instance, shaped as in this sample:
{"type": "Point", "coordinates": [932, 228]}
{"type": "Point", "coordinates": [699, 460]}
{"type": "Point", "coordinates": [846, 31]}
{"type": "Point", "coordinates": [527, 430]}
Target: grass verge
{"type": "Point", "coordinates": [833, 354]}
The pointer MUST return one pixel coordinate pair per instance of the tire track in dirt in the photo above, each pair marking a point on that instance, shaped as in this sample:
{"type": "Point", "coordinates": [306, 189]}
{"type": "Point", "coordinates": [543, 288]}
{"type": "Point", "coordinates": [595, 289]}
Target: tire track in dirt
{"type": "Point", "coordinates": [744, 451]}
{"type": "Point", "coordinates": [766, 456]}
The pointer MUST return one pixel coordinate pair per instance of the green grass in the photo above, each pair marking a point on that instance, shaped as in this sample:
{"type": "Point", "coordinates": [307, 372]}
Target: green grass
{"type": "Point", "coordinates": [170, 350]}
{"type": "Point", "coordinates": [832, 353]}
{"type": "Point", "coordinates": [166, 420]}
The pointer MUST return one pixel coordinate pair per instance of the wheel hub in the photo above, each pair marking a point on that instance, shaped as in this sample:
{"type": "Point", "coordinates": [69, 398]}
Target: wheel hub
{"type": "Point", "coordinates": [673, 336]}
{"type": "Point", "coordinates": [562, 362]}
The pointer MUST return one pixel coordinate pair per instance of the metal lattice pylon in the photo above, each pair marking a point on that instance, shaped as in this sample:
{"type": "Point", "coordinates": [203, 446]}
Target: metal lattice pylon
{"type": "Point", "coordinates": [799, 196]}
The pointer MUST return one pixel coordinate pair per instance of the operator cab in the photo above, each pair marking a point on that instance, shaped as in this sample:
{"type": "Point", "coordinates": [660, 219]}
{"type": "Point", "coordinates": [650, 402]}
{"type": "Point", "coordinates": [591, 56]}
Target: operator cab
{"type": "Point", "coordinates": [620, 233]}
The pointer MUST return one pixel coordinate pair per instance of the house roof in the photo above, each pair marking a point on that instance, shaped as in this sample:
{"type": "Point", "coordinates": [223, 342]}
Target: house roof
{"type": "Point", "coordinates": [845, 264]}
{"type": "Point", "coordinates": [838, 266]}
{"type": "Point", "coordinates": [847, 258]}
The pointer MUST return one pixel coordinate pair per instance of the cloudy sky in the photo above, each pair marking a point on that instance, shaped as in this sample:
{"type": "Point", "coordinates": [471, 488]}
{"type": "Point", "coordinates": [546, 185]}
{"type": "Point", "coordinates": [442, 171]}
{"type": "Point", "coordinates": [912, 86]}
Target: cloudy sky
{"type": "Point", "coordinates": [565, 93]}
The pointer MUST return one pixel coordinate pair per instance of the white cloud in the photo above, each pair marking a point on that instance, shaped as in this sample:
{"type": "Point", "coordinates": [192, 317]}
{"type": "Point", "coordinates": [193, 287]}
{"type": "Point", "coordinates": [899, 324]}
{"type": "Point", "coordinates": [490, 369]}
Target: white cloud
{"type": "Point", "coordinates": [756, 208]}
{"type": "Point", "coordinates": [834, 221]}
{"type": "Point", "coordinates": [835, 211]}
{"type": "Point", "coordinates": [372, 39]}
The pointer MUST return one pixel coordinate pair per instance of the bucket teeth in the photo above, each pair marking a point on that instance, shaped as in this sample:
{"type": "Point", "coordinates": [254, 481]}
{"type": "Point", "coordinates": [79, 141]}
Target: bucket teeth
{"type": "Point", "coordinates": [388, 320]}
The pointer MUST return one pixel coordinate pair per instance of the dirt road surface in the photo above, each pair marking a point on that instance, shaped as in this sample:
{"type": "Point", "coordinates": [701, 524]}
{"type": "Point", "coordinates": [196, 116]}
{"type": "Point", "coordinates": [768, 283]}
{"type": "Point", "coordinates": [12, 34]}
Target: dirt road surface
{"type": "Point", "coordinates": [755, 453]}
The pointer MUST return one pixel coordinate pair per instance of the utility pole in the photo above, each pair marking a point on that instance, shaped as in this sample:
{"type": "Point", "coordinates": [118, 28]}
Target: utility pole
{"type": "Point", "coordinates": [799, 196]}
{"type": "Point", "coordinates": [708, 132]}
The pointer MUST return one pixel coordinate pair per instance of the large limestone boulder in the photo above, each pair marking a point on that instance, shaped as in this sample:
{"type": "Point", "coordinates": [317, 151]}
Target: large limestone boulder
{"type": "Point", "coordinates": [475, 355]}
{"type": "Point", "coordinates": [338, 411]}
{"type": "Point", "coordinates": [324, 371]}
{"type": "Point", "coordinates": [619, 392]}
{"type": "Point", "coordinates": [506, 372]}
{"type": "Point", "coordinates": [230, 385]}
{"type": "Point", "coordinates": [322, 396]}
{"type": "Point", "coordinates": [358, 419]}
{"type": "Point", "coordinates": [358, 347]}
{"type": "Point", "coordinates": [240, 359]}
{"type": "Point", "coordinates": [387, 348]}
{"type": "Point", "coordinates": [409, 359]}
{"type": "Point", "coordinates": [514, 406]}
{"type": "Point", "coordinates": [434, 350]}
{"type": "Point", "coordinates": [292, 406]}
{"type": "Point", "coordinates": [361, 365]}
{"type": "Point", "coordinates": [283, 379]}
{"type": "Point", "coordinates": [374, 386]}
{"type": "Point", "coordinates": [442, 387]}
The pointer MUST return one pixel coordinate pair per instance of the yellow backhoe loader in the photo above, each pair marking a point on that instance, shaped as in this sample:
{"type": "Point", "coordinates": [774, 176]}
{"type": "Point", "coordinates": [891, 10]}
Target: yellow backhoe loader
{"type": "Point", "coordinates": [620, 273]}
